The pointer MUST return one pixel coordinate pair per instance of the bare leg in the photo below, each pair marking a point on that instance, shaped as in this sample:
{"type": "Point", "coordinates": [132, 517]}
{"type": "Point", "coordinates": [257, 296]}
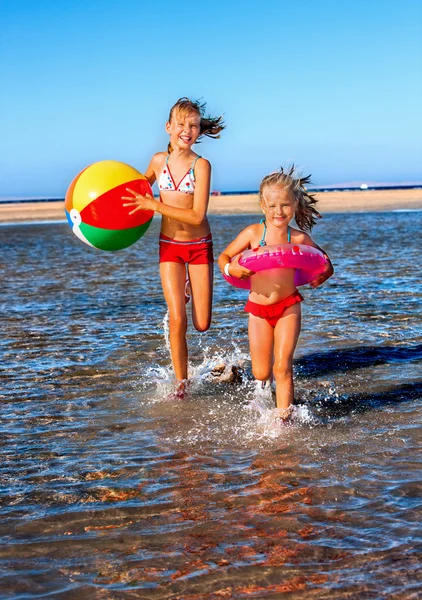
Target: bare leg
{"type": "Point", "coordinates": [201, 281]}
{"type": "Point", "coordinates": [261, 344]}
{"type": "Point", "coordinates": [286, 334]}
{"type": "Point", "coordinates": [173, 278]}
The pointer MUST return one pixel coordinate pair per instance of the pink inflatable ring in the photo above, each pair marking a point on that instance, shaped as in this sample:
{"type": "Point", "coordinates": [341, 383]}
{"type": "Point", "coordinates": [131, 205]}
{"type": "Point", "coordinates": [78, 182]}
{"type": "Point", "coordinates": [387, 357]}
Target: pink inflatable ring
{"type": "Point", "coordinates": [307, 260]}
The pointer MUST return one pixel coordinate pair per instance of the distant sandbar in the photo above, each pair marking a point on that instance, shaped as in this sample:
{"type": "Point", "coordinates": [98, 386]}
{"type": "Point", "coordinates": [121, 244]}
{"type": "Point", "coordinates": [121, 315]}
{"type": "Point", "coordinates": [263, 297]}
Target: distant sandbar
{"type": "Point", "coordinates": [328, 202]}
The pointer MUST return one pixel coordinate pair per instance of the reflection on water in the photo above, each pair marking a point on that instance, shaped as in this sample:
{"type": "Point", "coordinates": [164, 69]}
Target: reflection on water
{"type": "Point", "coordinates": [110, 490]}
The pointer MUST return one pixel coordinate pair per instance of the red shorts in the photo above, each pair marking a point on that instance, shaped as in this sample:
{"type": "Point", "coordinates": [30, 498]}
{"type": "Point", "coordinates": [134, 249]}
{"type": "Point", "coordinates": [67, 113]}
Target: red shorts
{"type": "Point", "coordinates": [193, 252]}
{"type": "Point", "coordinates": [273, 312]}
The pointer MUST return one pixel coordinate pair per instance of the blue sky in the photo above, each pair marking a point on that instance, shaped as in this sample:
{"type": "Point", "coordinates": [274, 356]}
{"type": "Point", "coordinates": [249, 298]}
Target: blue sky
{"type": "Point", "coordinates": [334, 86]}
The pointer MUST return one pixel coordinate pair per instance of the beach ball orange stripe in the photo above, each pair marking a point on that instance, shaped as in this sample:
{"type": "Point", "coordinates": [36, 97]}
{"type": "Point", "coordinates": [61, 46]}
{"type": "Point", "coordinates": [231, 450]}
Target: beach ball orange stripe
{"type": "Point", "coordinates": [68, 202]}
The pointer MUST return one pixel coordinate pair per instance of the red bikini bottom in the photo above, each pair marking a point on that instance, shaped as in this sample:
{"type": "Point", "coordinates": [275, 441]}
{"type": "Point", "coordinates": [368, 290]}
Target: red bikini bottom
{"type": "Point", "coordinates": [193, 252]}
{"type": "Point", "coordinates": [273, 312]}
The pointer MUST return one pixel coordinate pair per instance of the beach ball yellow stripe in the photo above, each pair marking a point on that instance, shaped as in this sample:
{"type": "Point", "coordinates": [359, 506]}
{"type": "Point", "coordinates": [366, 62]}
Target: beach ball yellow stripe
{"type": "Point", "coordinates": [100, 178]}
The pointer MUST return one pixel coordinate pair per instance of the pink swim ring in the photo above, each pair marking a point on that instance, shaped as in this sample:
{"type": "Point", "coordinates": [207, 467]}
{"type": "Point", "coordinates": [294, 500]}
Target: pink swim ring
{"type": "Point", "coordinates": [308, 261]}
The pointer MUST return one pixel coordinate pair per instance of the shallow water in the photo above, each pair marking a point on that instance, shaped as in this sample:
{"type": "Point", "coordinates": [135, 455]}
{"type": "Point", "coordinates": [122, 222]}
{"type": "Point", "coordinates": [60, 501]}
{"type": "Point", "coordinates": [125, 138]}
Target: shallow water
{"type": "Point", "coordinates": [109, 490]}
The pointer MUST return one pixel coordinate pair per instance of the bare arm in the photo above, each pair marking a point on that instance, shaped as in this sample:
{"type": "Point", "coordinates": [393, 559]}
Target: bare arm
{"type": "Point", "coordinates": [328, 271]}
{"type": "Point", "coordinates": [152, 168]}
{"type": "Point", "coordinates": [191, 216]}
{"type": "Point", "coordinates": [235, 248]}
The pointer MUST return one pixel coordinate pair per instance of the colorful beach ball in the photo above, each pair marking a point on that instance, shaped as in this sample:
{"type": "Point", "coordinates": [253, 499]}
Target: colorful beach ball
{"type": "Point", "coordinates": [94, 205]}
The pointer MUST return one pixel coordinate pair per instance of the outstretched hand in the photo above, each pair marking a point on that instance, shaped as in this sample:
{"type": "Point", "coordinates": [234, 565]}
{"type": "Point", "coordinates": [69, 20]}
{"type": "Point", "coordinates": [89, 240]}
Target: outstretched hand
{"type": "Point", "coordinates": [236, 270]}
{"type": "Point", "coordinates": [139, 202]}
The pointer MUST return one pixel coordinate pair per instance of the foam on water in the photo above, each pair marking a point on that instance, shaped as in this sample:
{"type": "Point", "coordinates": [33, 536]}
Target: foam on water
{"type": "Point", "coordinates": [241, 412]}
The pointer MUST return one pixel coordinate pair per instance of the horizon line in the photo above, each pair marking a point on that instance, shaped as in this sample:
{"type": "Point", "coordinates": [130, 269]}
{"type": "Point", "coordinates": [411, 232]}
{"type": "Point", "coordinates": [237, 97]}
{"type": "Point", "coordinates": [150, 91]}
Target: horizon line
{"type": "Point", "coordinates": [326, 188]}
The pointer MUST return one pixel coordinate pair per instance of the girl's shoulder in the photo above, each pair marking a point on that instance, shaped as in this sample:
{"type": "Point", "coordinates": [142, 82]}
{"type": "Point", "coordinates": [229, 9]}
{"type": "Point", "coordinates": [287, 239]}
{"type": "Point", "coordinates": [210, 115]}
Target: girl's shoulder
{"type": "Point", "coordinates": [248, 237]}
{"type": "Point", "coordinates": [255, 227]}
{"type": "Point", "coordinates": [299, 237]}
{"type": "Point", "coordinates": [157, 161]}
{"type": "Point", "coordinates": [159, 157]}
{"type": "Point", "coordinates": [252, 231]}
{"type": "Point", "coordinates": [201, 162]}
{"type": "Point", "coordinates": [202, 168]}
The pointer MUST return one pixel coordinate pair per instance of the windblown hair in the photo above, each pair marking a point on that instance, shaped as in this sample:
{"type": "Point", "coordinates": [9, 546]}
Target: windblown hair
{"type": "Point", "coordinates": [306, 214]}
{"type": "Point", "coordinates": [210, 126]}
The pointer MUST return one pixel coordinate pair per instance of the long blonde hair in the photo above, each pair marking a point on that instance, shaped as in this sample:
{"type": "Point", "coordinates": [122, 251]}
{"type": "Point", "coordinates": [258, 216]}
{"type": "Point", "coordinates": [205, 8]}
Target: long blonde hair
{"type": "Point", "coordinates": [306, 214]}
{"type": "Point", "coordinates": [210, 126]}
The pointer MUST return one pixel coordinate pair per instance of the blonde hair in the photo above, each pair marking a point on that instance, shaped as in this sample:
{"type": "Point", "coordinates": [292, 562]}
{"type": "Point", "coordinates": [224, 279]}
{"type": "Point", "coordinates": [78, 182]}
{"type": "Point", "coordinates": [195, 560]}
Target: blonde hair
{"type": "Point", "coordinates": [209, 126]}
{"type": "Point", "coordinates": [306, 214]}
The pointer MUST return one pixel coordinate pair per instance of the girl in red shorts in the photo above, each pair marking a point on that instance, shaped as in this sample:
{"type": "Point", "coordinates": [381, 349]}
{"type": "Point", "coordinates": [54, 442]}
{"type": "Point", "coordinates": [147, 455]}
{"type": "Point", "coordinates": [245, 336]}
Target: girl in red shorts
{"type": "Point", "coordinates": [274, 302]}
{"type": "Point", "coordinates": [186, 257]}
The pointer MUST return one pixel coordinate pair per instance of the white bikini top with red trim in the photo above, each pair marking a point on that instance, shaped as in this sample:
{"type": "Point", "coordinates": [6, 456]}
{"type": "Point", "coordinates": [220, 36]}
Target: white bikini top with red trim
{"type": "Point", "coordinates": [186, 185]}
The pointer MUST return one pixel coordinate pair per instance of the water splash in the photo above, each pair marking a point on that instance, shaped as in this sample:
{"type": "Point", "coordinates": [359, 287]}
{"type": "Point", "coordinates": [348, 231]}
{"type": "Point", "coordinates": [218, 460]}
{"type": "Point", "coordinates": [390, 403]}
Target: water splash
{"type": "Point", "coordinates": [166, 330]}
{"type": "Point", "coordinates": [263, 401]}
{"type": "Point", "coordinates": [220, 367]}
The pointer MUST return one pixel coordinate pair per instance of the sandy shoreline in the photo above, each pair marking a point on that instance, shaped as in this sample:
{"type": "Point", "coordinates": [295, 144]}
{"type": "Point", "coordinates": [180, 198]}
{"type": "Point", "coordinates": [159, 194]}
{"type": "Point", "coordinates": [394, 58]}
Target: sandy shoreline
{"type": "Point", "coordinates": [328, 202]}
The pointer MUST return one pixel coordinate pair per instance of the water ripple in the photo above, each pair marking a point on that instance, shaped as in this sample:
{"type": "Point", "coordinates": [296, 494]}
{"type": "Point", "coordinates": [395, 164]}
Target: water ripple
{"type": "Point", "coordinates": [109, 489]}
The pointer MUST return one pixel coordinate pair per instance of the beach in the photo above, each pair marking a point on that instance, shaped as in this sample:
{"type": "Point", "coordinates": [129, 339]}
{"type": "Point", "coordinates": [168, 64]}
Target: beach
{"type": "Point", "coordinates": [328, 202]}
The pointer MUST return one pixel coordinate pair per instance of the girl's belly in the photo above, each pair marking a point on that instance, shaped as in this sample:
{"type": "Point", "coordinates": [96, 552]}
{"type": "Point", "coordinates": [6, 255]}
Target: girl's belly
{"type": "Point", "coordinates": [272, 285]}
{"type": "Point", "coordinates": [183, 232]}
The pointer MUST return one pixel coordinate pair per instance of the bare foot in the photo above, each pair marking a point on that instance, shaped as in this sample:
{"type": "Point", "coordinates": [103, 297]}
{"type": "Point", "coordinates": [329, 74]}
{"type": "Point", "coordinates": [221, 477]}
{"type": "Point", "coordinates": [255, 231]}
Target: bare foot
{"type": "Point", "coordinates": [180, 390]}
{"type": "Point", "coordinates": [285, 413]}
{"type": "Point", "coordinates": [225, 374]}
{"type": "Point", "coordinates": [218, 370]}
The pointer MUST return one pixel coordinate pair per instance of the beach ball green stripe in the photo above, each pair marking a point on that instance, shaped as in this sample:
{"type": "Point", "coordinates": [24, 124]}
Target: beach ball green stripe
{"type": "Point", "coordinates": [113, 239]}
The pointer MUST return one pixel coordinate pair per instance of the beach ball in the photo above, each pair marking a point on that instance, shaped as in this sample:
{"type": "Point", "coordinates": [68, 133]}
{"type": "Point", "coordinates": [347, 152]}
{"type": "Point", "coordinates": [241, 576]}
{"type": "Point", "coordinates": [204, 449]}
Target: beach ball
{"type": "Point", "coordinates": [94, 206]}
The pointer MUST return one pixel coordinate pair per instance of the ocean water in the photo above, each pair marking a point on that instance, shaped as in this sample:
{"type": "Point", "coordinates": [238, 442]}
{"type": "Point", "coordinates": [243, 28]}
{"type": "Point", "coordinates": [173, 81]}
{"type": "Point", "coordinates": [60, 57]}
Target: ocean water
{"type": "Point", "coordinates": [108, 489]}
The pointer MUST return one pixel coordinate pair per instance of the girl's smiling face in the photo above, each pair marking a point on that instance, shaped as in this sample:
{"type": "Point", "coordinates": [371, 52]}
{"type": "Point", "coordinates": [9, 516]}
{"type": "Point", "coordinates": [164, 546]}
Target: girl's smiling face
{"type": "Point", "coordinates": [184, 129]}
{"type": "Point", "coordinates": [279, 205]}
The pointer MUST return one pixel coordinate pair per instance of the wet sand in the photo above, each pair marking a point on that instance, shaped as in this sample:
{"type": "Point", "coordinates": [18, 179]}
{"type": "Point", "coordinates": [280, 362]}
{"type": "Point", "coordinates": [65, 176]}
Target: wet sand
{"type": "Point", "coordinates": [328, 202]}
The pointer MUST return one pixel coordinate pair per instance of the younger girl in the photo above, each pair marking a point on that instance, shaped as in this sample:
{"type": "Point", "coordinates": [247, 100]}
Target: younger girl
{"type": "Point", "coordinates": [183, 178]}
{"type": "Point", "coordinates": [274, 302]}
